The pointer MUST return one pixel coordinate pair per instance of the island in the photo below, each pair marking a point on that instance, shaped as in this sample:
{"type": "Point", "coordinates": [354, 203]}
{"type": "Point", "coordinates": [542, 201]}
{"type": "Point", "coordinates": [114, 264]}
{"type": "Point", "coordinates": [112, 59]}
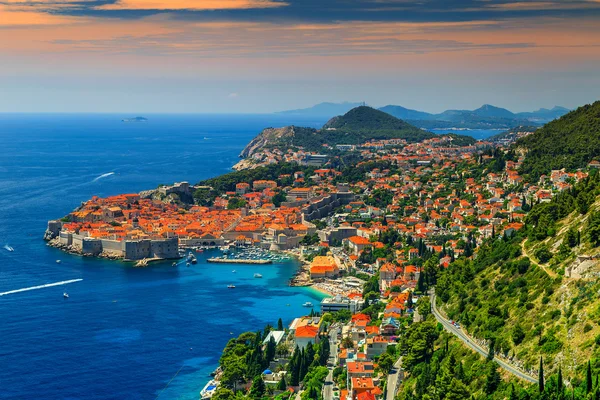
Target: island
{"type": "Point", "coordinates": [135, 119]}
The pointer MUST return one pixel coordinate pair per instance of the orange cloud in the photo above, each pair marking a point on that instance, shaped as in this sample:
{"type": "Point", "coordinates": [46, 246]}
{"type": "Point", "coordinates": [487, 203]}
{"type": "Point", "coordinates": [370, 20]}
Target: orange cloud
{"type": "Point", "coordinates": [190, 4]}
{"type": "Point", "coordinates": [16, 16]}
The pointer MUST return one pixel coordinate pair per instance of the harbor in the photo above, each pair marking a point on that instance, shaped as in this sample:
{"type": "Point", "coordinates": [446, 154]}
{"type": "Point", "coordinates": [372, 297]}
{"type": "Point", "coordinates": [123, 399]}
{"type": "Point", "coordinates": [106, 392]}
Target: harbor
{"type": "Point", "coordinates": [238, 261]}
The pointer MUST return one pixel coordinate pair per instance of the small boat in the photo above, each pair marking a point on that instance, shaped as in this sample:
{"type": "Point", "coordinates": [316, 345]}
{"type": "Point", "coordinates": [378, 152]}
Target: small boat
{"type": "Point", "coordinates": [66, 295]}
{"type": "Point", "coordinates": [58, 261]}
{"type": "Point", "coordinates": [174, 264]}
{"type": "Point", "coordinates": [257, 275]}
{"type": "Point", "coordinates": [187, 264]}
{"type": "Point", "coordinates": [7, 247]}
{"type": "Point", "coordinates": [231, 286]}
{"type": "Point", "coordinates": [234, 271]}
{"type": "Point", "coordinates": [307, 304]}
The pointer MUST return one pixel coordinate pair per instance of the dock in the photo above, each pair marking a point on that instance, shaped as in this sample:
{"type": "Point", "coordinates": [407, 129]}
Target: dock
{"type": "Point", "coordinates": [238, 261]}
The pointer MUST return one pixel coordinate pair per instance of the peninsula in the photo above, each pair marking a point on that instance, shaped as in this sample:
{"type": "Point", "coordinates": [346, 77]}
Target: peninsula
{"type": "Point", "coordinates": [496, 241]}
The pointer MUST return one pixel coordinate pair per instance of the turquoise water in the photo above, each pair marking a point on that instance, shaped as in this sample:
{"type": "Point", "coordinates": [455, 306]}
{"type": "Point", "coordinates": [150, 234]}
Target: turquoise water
{"type": "Point", "coordinates": [124, 332]}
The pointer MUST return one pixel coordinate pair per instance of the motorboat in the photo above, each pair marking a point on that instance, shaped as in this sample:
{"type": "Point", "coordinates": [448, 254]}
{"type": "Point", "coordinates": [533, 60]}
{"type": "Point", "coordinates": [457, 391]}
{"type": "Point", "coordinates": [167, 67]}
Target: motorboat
{"type": "Point", "coordinates": [66, 295]}
{"type": "Point", "coordinates": [7, 247]}
{"type": "Point", "coordinates": [231, 286]}
{"type": "Point", "coordinates": [58, 261]}
{"type": "Point", "coordinates": [174, 264]}
{"type": "Point", "coordinates": [307, 304]}
{"type": "Point", "coordinates": [234, 271]}
{"type": "Point", "coordinates": [257, 275]}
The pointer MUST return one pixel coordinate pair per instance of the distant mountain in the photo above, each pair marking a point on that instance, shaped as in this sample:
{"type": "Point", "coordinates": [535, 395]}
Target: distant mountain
{"type": "Point", "coordinates": [356, 126]}
{"type": "Point", "coordinates": [488, 110]}
{"type": "Point", "coordinates": [323, 109]}
{"type": "Point", "coordinates": [368, 123]}
{"type": "Point", "coordinates": [544, 115]}
{"type": "Point", "coordinates": [570, 142]}
{"type": "Point", "coordinates": [485, 117]}
{"type": "Point", "coordinates": [406, 113]}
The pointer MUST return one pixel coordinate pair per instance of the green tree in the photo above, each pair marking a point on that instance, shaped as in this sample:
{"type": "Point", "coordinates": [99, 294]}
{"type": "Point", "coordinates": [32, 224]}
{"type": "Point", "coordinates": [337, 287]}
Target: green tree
{"type": "Point", "coordinates": [541, 376]}
{"type": "Point", "coordinates": [588, 378]}
{"type": "Point", "coordinates": [282, 384]}
{"type": "Point", "coordinates": [258, 388]}
{"type": "Point", "coordinates": [279, 324]}
{"type": "Point", "coordinates": [518, 334]}
{"type": "Point", "coordinates": [223, 393]}
{"type": "Point", "coordinates": [385, 362]}
{"type": "Point", "coordinates": [492, 378]}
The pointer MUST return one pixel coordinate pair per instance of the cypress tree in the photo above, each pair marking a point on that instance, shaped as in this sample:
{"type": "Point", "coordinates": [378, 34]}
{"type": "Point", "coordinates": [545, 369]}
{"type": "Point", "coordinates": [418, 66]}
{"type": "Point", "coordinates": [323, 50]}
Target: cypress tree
{"type": "Point", "coordinates": [541, 376]}
{"type": "Point", "coordinates": [279, 325]}
{"type": "Point", "coordinates": [588, 377]}
{"type": "Point", "coordinates": [282, 385]}
{"type": "Point", "coordinates": [559, 386]}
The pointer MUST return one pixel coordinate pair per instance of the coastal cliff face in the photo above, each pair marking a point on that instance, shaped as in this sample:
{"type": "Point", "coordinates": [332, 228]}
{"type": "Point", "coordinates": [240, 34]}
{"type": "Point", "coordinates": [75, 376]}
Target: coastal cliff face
{"type": "Point", "coordinates": [269, 136]}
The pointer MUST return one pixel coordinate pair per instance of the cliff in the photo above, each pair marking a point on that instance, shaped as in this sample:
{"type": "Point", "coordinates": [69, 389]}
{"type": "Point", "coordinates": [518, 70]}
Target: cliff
{"type": "Point", "coordinates": [267, 138]}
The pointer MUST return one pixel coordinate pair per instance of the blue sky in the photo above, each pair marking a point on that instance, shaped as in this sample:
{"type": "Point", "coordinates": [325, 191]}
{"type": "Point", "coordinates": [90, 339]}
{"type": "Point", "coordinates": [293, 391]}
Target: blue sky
{"type": "Point", "coordinates": [268, 55]}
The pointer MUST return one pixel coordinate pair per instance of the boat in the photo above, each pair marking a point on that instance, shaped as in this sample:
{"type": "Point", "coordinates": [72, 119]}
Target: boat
{"type": "Point", "coordinates": [174, 264]}
{"type": "Point", "coordinates": [187, 264]}
{"type": "Point", "coordinates": [58, 261]}
{"type": "Point", "coordinates": [231, 286]}
{"type": "Point", "coordinates": [209, 390]}
{"type": "Point", "coordinates": [234, 271]}
{"type": "Point", "coordinates": [307, 304]}
{"type": "Point", "coordinates": [66, 295]}
{"type": "Point", "coordinates": [7, 247]}
{"type": "Point", "coordinates": [191, 258]}
{"type": "Point", "coordinates": [257, 275]}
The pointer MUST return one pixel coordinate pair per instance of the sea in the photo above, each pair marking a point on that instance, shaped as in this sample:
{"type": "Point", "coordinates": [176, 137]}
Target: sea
{"type": "Point", "coordinates": [124, 332]}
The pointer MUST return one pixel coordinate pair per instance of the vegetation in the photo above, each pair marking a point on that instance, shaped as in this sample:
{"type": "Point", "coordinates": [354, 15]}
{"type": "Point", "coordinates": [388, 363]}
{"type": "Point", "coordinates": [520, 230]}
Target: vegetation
{"type": "Point", "coordinates": [570, 142]}
{"type": "Point", "coordinates": [363, 123]}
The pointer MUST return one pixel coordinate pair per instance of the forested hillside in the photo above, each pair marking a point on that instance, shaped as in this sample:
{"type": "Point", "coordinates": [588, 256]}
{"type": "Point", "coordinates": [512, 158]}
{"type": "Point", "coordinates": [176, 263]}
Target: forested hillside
{"type": "Point", "coordinates": [535, 294]}
{"type": "Point", "coordinates": [570, 142]}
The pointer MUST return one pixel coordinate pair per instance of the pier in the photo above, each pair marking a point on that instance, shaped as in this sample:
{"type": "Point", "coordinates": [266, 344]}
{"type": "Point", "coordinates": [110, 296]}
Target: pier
{"type": "Point", "coordinates": [238, 261]}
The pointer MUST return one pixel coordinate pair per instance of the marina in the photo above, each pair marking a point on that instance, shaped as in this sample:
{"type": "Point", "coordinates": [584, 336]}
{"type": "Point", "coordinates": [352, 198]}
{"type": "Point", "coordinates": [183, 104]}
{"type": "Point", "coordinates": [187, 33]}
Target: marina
{"type": "Point", "coordinates": [238, 261]}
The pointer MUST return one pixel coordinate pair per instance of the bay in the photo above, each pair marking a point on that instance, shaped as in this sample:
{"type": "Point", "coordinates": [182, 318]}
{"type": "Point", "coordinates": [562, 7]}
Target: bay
{"type": "Point", "coordinates": [124, 332]}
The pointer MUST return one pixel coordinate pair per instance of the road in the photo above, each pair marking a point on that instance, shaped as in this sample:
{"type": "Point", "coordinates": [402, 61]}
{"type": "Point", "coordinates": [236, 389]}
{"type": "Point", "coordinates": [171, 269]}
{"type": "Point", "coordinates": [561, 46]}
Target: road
{"type": "Point", "coordinates": [459, 333]}
{"type": "Point", "coordinates": [394, 379]}
{"type": "Point", "coordinates": [328, 386]}
{"type": "Point", "coordinates": [333, 361]}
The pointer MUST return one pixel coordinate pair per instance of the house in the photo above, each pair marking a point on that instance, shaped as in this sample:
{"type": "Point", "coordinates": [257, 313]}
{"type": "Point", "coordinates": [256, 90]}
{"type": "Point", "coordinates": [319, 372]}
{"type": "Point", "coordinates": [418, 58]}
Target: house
{"type": "Point", "coordinates": [306, 334]}
{"type": "Point", "coordinates": [389, 326]}
{"type": "Point", "coordinates": [376, 346]}
{"type": "Point", "coordinates": [357, 244]}
{"type": "Point", "coordinates": [323, 267]}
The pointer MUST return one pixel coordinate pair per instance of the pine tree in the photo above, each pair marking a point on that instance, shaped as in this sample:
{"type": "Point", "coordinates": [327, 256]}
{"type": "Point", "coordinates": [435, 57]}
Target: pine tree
{"type": "Point", "coordinates": [490, 355]}
{"type": "Point", "coordinates": [513, 393]}
{"type": "Point", "coordinates": [282, 385]}
{"type": "Point", "coordinates": [279, 325]}
{"type": "Point", "coordinates": [588, 378]}
{"type": "Point", "coordinates": [258, 388]}
{"type": "Point", "coordinates": [541, 376]}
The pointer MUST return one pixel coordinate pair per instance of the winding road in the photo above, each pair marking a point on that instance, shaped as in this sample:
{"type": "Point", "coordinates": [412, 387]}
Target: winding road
{"type": "Point", "coordinates": [474, 346]}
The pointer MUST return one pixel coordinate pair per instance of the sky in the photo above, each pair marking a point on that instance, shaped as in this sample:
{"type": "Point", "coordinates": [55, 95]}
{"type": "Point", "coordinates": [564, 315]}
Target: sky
{"type": "Point", "coordinates": [257, 56]}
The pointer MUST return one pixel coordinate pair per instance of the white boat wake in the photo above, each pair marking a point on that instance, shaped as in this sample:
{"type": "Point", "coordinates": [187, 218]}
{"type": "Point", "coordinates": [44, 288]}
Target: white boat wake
{"type": "Point", "coordinates": [103, 176]}
{"type": "Point", "coordinates": [40, 287]}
